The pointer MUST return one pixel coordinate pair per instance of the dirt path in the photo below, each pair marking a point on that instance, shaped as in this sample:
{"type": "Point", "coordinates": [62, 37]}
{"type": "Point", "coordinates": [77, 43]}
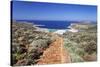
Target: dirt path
{"type": "Point", "coordinates": [55, 54]}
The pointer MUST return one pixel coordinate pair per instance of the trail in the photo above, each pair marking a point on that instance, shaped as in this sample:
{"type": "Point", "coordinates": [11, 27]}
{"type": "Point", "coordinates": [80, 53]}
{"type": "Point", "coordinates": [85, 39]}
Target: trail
{"type": "Point", "coordinates": [55, 54]}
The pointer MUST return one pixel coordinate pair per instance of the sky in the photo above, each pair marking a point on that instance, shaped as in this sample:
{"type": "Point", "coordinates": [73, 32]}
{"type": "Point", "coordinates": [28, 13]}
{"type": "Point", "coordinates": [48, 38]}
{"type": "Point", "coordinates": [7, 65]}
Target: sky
{"type": "Point", "coordinates": [22, 10]}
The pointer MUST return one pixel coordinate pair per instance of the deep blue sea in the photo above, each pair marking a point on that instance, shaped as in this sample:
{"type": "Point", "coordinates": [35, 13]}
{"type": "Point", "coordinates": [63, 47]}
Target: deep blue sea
{"type": "Point", "coordinates": [49, 24]}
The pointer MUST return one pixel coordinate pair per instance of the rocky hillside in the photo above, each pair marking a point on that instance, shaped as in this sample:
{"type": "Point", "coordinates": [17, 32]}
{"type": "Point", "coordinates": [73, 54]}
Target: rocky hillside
{"type": "Point", "coordinates": [82, 45]}
{"type": "Point", "coordinates": [28, 44]}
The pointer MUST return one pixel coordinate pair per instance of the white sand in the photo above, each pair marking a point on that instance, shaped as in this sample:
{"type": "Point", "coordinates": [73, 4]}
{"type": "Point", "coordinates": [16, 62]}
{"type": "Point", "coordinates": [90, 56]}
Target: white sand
{"type": "Point", "coordinates": [63, 31]}
{"type": "Point", "coordinates": [73, 30]}
{"type": "Point", "coordinates": [60, 31]}
{"type": "Point", "coordinates": [42, 29]}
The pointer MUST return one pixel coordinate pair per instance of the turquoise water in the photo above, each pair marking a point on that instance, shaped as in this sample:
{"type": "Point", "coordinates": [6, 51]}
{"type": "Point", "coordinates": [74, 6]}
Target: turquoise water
{"type": "Point", "coordinates": [52, 30]}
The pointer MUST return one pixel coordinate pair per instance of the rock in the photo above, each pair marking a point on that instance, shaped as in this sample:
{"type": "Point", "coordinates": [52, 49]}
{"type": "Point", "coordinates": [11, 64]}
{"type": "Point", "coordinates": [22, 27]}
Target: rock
{"type": "Point", "coordinates": [22, 62]}
{"type": "Point", "coordinates": [90, 57]}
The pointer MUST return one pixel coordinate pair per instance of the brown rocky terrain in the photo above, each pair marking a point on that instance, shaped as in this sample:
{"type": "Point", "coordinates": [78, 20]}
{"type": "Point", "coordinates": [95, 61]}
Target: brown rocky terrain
{"type": "Point", "coordinates": [55, 54]}
{"type": "Point", "coordinates": [28, 44]}
{"type": "Point", "coordinates": [31, 46]}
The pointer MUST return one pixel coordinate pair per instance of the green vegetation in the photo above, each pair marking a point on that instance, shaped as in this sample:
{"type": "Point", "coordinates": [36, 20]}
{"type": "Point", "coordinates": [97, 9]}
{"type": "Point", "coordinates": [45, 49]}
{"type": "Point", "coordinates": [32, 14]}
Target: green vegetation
{"type": "Point", "coordinates": [74, 50]}
{"type": "Point", "coordinates": [82, 44]}
{"type": "Point", "coordinates": [28, 44]}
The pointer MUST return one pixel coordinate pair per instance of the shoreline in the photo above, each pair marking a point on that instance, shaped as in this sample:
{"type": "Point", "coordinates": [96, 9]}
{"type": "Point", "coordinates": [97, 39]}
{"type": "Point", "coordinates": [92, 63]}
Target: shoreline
{"type": "Point", "coordinates": [57, 31]}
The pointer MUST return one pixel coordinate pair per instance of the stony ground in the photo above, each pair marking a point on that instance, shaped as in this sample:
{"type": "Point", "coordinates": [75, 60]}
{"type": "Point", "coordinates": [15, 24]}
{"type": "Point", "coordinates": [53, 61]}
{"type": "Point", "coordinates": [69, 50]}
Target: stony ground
{"type": "Point", "coordinates": [55, 54]}
{"type": "Point", "coordinates": [30, 47]}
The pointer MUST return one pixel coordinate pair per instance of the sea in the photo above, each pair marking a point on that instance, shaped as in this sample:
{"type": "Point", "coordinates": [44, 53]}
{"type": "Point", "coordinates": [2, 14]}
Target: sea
{"type": "Point", "coordinates": [50, 25]}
